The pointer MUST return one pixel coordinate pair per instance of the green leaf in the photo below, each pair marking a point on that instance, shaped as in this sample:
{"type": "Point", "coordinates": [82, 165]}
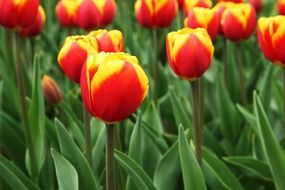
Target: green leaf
{"type": "Point", "coordinates": [136, 173]}
{"type": "Point", "coordinates": [255, 168]}
{"type": "Point", "coordinates": [249, 117]}
{"type": "Point", "coordinates": [64, 170]}
{"type": "Point", "coordinates": [152, 117]}
{"type": "Point", "coordinates": [192, 174]}
{"type": "Point", "coordinates": [71, 152]}
{"type": "Point", "coordinates": [167, 172]}
{"type": "Point", "coordinates": [273, 151]}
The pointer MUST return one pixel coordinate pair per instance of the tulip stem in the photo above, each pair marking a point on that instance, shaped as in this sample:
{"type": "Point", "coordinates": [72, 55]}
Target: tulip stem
{"type": "Point", "coordinates": [225, 57]}
{"type": "Point", "coordinates": [88, 140]}
{"type": "Point", "coordinates": [110, 161]}
{"type": "Point", "coordinates": [197, 127]}
{"type": "Point", "coordinates": [155, 64]}
{"type": "Point", "coordinates": [23, 105]}
{"type": "Point", "coordinates": [241, 75]}
{"type": "Point", "coordinates": [284, 91]}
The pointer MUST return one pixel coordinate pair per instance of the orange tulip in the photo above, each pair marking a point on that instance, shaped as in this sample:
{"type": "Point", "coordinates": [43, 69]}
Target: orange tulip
{"type": "Point", "coordinates": [109, 41]}
{"type": "Point", "coordinates": [189, 52]}
{"type": "Point", "coordinates": [204, 18]}
{"type": "Point", "coordinates": [113, 86]}
{"type": "Point", "coordinates": [66, 11]}
{"type": "Point", "coordinates": [37, 26]}
{"type": "Point", "coordinates": [73, 55]}
{"type": "Point", "coordinates": [238, 21]}
{"type": "Point", "coordinates": [233, 1]}
{"type": "Point", "coordinates": [18, 14]}
{"type": "Point", "coordinates": [257, 4]}
{"type": "Point", "coordinates": [271, 38]}
{"type": "Point", "coordinates": [281, 7]}
{"type": "Point", "coordinates": [155, 13]}
{"type": "Point", "coordinates": [190, 4]}
{"type": "Point", "coordinates": [51, 91]}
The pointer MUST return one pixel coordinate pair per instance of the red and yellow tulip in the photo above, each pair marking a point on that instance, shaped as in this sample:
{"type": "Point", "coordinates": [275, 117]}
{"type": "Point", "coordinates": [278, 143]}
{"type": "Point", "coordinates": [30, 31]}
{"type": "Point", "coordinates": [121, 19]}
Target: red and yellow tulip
{"type": "Point", "coordinates": [257, 4]}
{"type": "Point", "coordinates": [233, 1]}
{"type": "Point", "coordinates": [271, 38]}
{"type": "Point", "coordinates": [73, 55]}
{"type": "Point", "coordinates": [204, 18]}
{"type": "Point", "coordinates": [155, 13]}
{"type": "Point", "coordinates": [109, 41]}
{"type": "Point", "coordinates": [113, 85]}
{"type": "Point", "coordinates": [281, 7]}
{"type": "Point", "coordinates": [51, 91]}
{"type": "Point", "coordinates": [66, 11]}
{"type": "Point", "coordinates": [15, 14]}
{"type": "Point", "coordinates": [189, 52]}
{"type": "Point", "coordinates": [238, 21]}
{"type": "Point", "coordinates": [190, 4]}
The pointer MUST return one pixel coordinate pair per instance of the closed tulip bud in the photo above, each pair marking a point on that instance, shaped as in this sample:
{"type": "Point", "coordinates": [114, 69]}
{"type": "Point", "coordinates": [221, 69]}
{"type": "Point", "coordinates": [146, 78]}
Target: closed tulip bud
{"type": "Point", "coordinates": [155, 13]}
{"type": "Point", "coordinates": [219, 8]}
{"type": "Point", "coordinates": [189, 52]}
{"type": "Point", "coordinates": [190, 4]}
{"type": "Point", "coordinates": [238, 21]}
{"type": "Point", "coordinates": [51, 91]}
{"type": "Point", "coordinates": [281, 7]}
{"type": "Point", "coordinates": [108, 41]}
{"type": "Point", "coordinates": [257, 4]}
{"type": "Point", "coordinates": [233, 1]}
{"type": "Point", "coordinates": [73, 55]}
{"type": "Point", "coordinates": [271, 38]}
{"type": "Point", "coordinates": [37, 26]}
{"type": "Point", "coordinates": [15, 14]}
{"type": "Point", "coordinates": [66, 11]}
{"type": "Point", "coordinates": [204, 18]}
{"type": "Point", "coordinates": [113, 85]}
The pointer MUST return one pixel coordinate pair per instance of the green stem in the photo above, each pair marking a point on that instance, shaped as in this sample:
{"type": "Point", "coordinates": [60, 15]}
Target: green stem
{"type": "Point", "coordinates": [197, 120]}
{"type": "Point", "coordinates": [155, 64]}
{"type": "Point", "coordinates": [23, 105]}
{"type": "Point", "coordinates": [88, 140]}
{"type": "Point", "coordinates": [284, 91]}
{"type": "Point", "coordinates": [110, 161]}
{"type": "Point", "coordinates": [225, 58]}
{"type": "Point", "coordinates": [241, 75]}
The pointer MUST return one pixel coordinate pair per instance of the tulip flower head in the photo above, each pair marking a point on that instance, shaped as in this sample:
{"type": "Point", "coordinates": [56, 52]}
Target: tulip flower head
{"type": "Point", "coordinates": [271, 38]}
{"type": "Point", "coordinates": [257, 4]}
{"type": "Point", "coordinates": [109, 41]}
{"type": "Point", "coordinates": [190, 4]}
{"type": "Point", "coordinates": [66, 11]}
{"type": "Point", "coordinates": [51, 91]}
{"type": "Point", "coordinates": [204, 18]}
{"type": "Point", "coordinates": [73, 55]}
{"type": "Point", "coordinates": [233, 1]}
{"type": "Point", "coordinates": [37, 26]}
{"type": "Point", "coordinates": [189, 52]}
{"type": "Point", "coordinates": [180, 3]}
{"type": "Point", "coordinates": [155, 13]}
{"type": "Point", "coordinates": [238, 21]}
{"type": "Point", "coordinates": [15, 14]}
{"type": "Point", "coordinates": [281, 7]}
{"type": "Point", "coordinates": [113, 85]}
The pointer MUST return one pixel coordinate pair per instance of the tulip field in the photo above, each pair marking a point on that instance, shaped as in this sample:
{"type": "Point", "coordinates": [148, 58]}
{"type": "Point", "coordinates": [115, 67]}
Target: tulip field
{"type": "Point", "coordinates": [142, 94]}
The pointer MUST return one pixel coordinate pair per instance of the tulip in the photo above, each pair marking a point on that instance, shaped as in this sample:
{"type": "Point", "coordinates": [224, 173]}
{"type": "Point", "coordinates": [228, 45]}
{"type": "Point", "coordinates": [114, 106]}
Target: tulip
{"type": "Point", "coordinates": [257, 4]}
{"type": "Point", "coordinates": [113, 85]}
{"type": "Point", "coordinates": [66, 11]}
{"type": "Point", "coordinates": [180, 3]}
{"type": "Point", "coordinates": [238, 21]}
{"type": "Point", "coordinates": [233, 1]}
{"type": "Point", "coordinates": [18, 14]}
{"type": "Point", "coordinates": [37, 26]}
{"type": "Point", "coordinates": [220, 8]}
{"type": "Point", "coordinates": [204, 18]}
{"type": "Point", "coordinates": [155, 13]}
{"type": "Point", "coordinates": [281, 7]}
{"type": "Point", "coordinates": [109, 41]}
{"type": "Point", "coordinates": [190, 4]}
{"type": "Point", "coordinates": [189, 52]}
{"type": "Point", "coordinates": [51, 91]}
{"type": "Point", "coordinates": [73, 55]}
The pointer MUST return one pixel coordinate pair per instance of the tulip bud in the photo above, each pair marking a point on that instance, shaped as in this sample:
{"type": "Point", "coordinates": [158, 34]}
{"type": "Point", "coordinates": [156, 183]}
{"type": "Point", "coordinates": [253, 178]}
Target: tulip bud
{"type": "Point", "coordinates": [190, 4]}
{"type": "Point", "coordinates": [66, 11]}
{"type": "Point", "coordinates": [238, 21]}
{"type": "Point", "coordinates": [18, 14]}
{"type": "Point", "coordinates": [220, 8]}
{"type": "Point", "coordinates": [155, 13]}
{"type": "Point", "coordinates": [281, 7]}
{"type": "Point", "coordinates": [108, 11]}
{"type": "Point", "coordinates": [108, 41]}
{"type": "Point", "coordinates": [51, 91]}
{"type": "Point", "coordinates": [271, 38]}
{"type": "Point", "coordinates": [189, 52]}
{"type": "Point", "coordinates": [233, 1]}
{"type": "Point", "coordinates": [37, 26]}
{"type": "Point", "coordinates": [73, 55]}
{"type": "Point", "coordinates": [204, 18]}
{"type": "Point", "coordinates": [257, 4]}
{"type": "Point", "coordinates": [113, 85]}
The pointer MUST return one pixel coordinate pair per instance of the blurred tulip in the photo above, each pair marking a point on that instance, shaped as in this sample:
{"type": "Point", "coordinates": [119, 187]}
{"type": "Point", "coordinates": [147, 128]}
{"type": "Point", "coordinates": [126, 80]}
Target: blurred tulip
{"type": "Point", "coordinates": [189, 52]}
{"type": "Point", "coordinates": [109, 41]}
{"type": "Point", "coordinates": [238, 21]}
{"type": "Point", "coordinates": [73, 55]}
{"type": "Point", "coordinates": [37, 26]}
{"type": "Point", "coordinates": [281, 7]}
{"type": "Point", "coordinates": [51, 91]}
{"type": "Point", "coordinates": [190, 4]}
{"type": "Point", "coordinates": [113, 85]}
{"type": "Point", "coordinates": [204, 18]}
{"type": "Point", "coordinates": [271, 38]}
{"type": "Point", "coordinates": [257, 4]}
{"type": "Point", "coordinates": [233, 1]}
{"type": "Point", "coordinates": [66, 11]}
{"type": "Point", "coordinates": [155, 13]}
{"type": "Point", "coordinates": [180, 3]}
{"type": "Point", "coordinates": [15, 14]}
